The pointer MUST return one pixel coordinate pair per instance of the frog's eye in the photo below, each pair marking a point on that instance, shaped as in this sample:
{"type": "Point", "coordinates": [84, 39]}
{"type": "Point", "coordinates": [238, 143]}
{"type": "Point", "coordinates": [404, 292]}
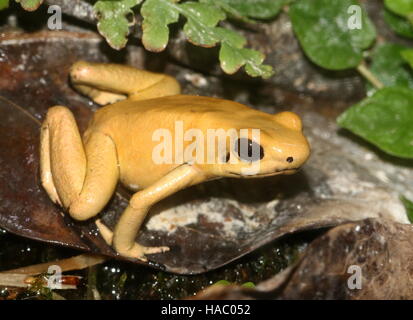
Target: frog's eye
{"type": "Point", "coordinates": [248, 150]}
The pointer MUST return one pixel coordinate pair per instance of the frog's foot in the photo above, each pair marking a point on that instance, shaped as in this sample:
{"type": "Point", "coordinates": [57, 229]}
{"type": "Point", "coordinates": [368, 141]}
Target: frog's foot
{"type": "Point", "coordinates": [137, 251]}
{"type": "Point", "coordinates": [105, 232]}
{"type": "Point", "coordinates": [101, 97]}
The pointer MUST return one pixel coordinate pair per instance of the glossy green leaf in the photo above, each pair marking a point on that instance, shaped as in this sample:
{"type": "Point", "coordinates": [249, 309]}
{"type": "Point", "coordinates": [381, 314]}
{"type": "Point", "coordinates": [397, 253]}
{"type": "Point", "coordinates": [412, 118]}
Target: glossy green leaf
{"type": "Point", "coordinates": [409, 208]}
{"type": "Point", "coordinates": [4, 4]}
{"type": "Point", "coordinates": [407, 55]}
{"type": "Point", "coordinates": [398, 24]}
{"type": "Point", "coordinates": [385, 120]}
{"type": "Point", "coordinates": [30, 5]}
{"type": "Point", "coordinates": [401, 7]}
{"type": "Point", "coordinates": [389, 66]}
{"type": "Point", "coordinates": [114, 20]}
{"type": "Point", "coordinates": [327, 33]}
{"type": "Point", "coordinates": [157, 15]}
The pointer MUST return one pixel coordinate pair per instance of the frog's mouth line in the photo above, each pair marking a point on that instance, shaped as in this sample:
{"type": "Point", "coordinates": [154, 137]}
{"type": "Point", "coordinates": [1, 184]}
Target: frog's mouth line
{"type": "Point", "coordinates": [292, 170]}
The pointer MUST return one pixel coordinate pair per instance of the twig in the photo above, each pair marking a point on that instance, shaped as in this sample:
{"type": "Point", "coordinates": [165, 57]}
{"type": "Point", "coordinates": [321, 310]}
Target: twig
{"type": "Point", "coordinates": [74, 263]}
{"type": "Point", "coordinates": [366, 73]}
{"type": "Point", "coordinates": [23, 277]}
{"type": "Point", "coordinates": [24, 281]}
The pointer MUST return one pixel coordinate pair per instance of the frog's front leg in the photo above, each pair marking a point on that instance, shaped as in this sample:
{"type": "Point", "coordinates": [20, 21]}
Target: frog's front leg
{"type": "Point", "coordinates": [140, 203]}
{"type": "Point", "coordinates": [80, 177]}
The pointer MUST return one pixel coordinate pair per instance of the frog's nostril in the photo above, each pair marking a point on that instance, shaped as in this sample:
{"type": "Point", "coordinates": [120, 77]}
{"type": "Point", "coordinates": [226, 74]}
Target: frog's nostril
{"type": "Point", "coordinates": [290, 159]}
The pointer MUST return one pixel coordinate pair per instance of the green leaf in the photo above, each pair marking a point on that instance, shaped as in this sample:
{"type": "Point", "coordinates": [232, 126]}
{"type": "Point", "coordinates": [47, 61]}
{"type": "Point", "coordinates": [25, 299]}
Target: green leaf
{"type": "Point", "coordinates": [398, 24]}
{"type": "Point", "coordinates": [201, 28]}
{"type": "Point", "coordinates": [256, 9]}
{"type": "Point", "coordinates": [231, 37]}
{"type": "Point", "coordinates": [389, 66]}
{"type": "Point", "coordinates": [385, 120]}
{"type": "Point", "coordinates": [157, 15]}
{"type": "Point", "coordinates": [403, 8]}
{"type": "Point", "coordinates": [30, 5]}
{"type": "Point", "coordinates": [248, 285]}
{"type": "Point", "coordinates": [409, 208]}
{"type": "Point", "coordinates": [407, 55]}
{"type": "Point", "coordinates": [232, 58]}
{"type": "Point", "coordinates": [4, 4]}
{"type": "Point", "coordinates": [322, 27]}
{"type": "Point", "coordinates": [223, 283]}
{"type": "Point", "coordinates": [201, 20]}
{"type": "Point", "coordinates": [253, 64]}
{"type": "Point", "coordinates": [113, 22]}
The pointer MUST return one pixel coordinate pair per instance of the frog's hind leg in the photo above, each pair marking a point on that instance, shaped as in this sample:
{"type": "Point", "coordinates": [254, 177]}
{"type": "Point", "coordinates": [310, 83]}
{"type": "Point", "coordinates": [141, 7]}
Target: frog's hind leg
{"type": "Point", "coordinates": [82, 178]}
{"type": "Point", "coordinates": [99, 96]}
{"type": "Point", "coordinates": [45, 169]}
{"type": "Point", "coordinates": [107, 83]}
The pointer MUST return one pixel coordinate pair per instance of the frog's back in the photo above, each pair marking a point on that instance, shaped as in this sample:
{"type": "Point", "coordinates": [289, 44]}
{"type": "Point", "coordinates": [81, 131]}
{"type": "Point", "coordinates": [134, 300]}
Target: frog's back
{"type": "Point", "coordinates": [134, 126]}
{"type": "Point", "coordinates": [165, 111]}
{"type": "Point", "coordinates": [173, 105]}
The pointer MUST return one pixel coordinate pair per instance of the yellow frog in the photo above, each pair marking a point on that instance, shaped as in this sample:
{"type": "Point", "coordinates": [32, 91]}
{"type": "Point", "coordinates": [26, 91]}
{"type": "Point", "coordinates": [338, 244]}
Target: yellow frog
{"type": "Point", "coordinates": [120, 143]}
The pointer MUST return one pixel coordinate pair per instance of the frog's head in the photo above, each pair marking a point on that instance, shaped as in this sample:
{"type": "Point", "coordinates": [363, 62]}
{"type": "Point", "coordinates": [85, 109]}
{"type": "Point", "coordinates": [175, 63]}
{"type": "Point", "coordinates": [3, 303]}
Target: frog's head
{"type": "Point", "coordinates": [277, 147]}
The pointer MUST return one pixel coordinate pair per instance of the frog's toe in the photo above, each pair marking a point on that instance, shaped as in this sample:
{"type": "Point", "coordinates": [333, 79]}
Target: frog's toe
{"type": "Point", "coordinates": [152, 250]}
{"type": "Point", "coordinates": [139, 252]}
{"type": "Point", "coordinates": [55, 198]}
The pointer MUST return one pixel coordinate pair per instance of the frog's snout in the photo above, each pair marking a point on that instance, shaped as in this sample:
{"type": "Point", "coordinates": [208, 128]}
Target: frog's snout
{"type": "Point", "coordinates": [294, 155]}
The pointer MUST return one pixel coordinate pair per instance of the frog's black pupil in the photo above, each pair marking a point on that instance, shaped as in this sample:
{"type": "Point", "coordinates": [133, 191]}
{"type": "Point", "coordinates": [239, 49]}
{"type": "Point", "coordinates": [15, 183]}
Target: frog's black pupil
{"type": "Point", "coordinates": [251, 147]}
{"type": "Point", "coordinates": [290, 159]}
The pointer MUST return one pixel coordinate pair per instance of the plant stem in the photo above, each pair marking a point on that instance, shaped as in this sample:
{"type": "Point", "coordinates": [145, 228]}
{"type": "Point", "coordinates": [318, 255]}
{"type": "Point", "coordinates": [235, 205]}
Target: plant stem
{"type": "Point", "coordinates": [366, 73]}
